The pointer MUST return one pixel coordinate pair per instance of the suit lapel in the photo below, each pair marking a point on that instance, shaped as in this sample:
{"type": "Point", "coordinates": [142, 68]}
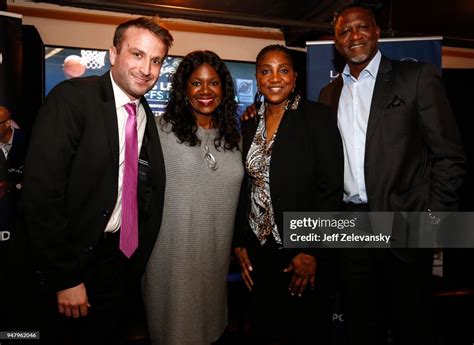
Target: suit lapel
{"type": "Point", "coordinates": [109, 115]}
{"type": "Point", "coordinates": [155, 153]}
{"type": "Point", "coordinates": [249, 128]}
{"type": "Point", "coordinates": [3, 159]}
{"type": "Point", "coordinates": [335, 94]}
{"type": "Point", "coordinates": [379, 97]}
{"type": "Point", "coordinates": [17, 152]}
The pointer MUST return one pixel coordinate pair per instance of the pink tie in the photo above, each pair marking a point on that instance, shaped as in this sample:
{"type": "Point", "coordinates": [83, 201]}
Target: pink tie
{"type": "Point", "coordinates": [129, 227]}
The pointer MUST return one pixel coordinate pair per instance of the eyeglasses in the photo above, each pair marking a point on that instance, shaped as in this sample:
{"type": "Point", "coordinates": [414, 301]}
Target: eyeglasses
{"type": "Point", "coordinates": [4, 121]}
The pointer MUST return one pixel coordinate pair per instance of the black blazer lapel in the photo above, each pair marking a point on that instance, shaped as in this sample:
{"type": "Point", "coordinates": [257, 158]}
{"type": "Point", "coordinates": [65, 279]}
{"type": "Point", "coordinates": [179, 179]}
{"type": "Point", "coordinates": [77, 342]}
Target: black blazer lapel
{"type": "Point", "coordinates": [155, 153]}
{"type": "Point", "coordinates": [249, 128]}
{"type": "Point", "coordinates": [109, 116]}
{"type": "Point", "coordinates": [382, 86]}
{"type": "Point", "coordinates": [331, 93]}
{"type": "Point", "coordinates": [335, 94]}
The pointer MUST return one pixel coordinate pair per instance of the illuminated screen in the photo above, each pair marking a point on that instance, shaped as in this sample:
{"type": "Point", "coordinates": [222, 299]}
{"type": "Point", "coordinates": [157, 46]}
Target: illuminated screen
{"type": "Point", "coordinates": [62, 63]}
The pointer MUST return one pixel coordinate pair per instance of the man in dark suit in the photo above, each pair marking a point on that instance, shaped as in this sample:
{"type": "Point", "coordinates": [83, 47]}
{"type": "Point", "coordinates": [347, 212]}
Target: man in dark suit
{"type": "Point", "coordinates": [94, 185]}
{"type": "Point", "coordinates": [402, 152]}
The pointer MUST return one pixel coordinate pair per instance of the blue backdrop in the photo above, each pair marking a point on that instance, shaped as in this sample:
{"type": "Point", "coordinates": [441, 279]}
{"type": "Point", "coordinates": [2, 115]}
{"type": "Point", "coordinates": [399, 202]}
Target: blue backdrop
{"type": "Point", "coordinates": [243, 75]}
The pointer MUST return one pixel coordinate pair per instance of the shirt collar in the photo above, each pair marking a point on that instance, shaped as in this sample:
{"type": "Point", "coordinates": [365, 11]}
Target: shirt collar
{"type": "Point", "coordinates": [372, 68]}
{"type": "Point", "coordinates": [121, 97]}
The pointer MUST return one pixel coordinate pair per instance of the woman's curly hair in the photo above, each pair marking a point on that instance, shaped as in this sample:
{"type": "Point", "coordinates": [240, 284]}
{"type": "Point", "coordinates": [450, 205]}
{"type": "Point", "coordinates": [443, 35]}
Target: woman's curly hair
{"type": "Point", "coordinates": [178, 112]}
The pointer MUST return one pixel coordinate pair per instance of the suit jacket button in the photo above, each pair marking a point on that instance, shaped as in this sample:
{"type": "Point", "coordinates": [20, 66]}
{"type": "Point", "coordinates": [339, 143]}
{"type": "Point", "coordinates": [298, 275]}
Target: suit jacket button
{"type": "Point", "coordinates": [88, 249]}
{"type": "Point", "coordinates": [105, 213]}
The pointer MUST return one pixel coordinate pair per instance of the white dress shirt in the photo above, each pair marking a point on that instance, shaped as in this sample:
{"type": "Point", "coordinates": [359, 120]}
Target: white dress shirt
{"type": "Point", "coordinates": [120, 100]}
{"type": "Point", "coordinates": [352, 119]}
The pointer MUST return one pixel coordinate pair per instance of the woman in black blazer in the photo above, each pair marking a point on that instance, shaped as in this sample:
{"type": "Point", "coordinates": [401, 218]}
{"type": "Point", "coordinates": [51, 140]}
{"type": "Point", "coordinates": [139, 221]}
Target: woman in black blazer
{"type": "Point", "coordinates": [292, 154]}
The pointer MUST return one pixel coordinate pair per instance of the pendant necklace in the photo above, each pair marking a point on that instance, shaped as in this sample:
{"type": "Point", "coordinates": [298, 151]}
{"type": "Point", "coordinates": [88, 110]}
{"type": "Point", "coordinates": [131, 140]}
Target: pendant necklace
{"type": "Point", "coordinates": [209, 157]}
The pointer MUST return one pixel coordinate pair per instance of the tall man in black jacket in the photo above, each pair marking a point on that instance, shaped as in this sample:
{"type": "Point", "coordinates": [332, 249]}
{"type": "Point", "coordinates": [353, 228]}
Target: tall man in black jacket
{"type": "Point", "coordinates": [402, 152]}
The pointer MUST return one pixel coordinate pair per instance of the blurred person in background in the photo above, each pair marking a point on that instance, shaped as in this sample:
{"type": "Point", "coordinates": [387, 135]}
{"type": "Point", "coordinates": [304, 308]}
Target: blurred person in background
{"type": "Point", "coordinates": [12, 155]}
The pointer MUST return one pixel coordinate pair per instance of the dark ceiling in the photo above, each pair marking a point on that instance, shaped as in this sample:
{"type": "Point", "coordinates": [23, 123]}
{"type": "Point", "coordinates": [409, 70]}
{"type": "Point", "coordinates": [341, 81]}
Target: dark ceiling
{"type": "Point", "coordinates": [308, 20]}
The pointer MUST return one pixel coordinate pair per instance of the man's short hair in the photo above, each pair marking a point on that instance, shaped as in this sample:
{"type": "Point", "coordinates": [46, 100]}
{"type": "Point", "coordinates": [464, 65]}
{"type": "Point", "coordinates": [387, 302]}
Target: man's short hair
{"type": "Point", "coordinates": [148, 23]}
{"type": "Point", "coordinates": [366, 8]}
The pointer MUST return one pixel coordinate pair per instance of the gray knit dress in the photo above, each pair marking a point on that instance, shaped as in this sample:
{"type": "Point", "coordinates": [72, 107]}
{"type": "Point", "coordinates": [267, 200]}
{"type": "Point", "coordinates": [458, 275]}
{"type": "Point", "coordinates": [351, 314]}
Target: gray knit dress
{"type": "Point", "coordinates": [184, 287]}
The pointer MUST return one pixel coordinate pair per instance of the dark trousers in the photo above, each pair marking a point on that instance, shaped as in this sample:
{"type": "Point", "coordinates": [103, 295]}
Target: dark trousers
{"type": "Point", "coordinates": [387, 293]}
{"type": "Point", "coordinates": [276, 317]}
{"type": "Point", "coordinates": [18, 284]}
{"type": "Point", "coordinates": [109, 295]}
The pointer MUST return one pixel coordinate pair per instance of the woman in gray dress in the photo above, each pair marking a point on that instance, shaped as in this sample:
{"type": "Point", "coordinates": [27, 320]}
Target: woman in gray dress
{"type": "Point", "coordinates": [184, 286]}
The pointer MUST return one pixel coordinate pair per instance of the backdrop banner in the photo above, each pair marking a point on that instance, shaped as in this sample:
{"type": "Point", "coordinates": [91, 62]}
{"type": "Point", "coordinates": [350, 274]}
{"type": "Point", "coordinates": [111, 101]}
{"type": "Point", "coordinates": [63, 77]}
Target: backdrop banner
{"type": "Point", "coordinates": [324, 62]}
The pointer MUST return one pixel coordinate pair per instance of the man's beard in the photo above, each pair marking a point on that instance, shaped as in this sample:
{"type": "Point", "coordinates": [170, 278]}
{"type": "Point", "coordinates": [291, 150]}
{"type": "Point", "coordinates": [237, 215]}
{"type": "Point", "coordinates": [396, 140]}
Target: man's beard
{"type": "Point", "coordinates": [359, 58]}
